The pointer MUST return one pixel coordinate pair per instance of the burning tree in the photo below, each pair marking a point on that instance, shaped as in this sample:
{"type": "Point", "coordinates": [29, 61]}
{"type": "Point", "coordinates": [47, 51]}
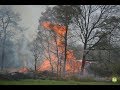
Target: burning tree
{"type": "Point", "coordinates": [61, 15]}
{"type": "Point", "coordinates": [84, 22]}
{"type": "Point", "coordinates": [57, 25]}
{"type": "Point", "coordinates": [60, 32]}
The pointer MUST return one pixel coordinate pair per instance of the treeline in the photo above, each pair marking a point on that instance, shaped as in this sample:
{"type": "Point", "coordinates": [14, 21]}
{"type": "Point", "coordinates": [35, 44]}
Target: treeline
{"type": "Point", "coordinates": [91, 31]}
{"type": "Point", "coordinates": [13, 42]}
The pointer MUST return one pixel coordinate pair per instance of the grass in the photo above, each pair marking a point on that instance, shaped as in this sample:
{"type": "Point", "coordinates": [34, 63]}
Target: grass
{"type": "Point", "coordinates": [53, 82]}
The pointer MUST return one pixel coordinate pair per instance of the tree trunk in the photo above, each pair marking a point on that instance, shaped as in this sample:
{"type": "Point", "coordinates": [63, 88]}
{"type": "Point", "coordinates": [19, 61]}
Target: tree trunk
{"type": "Point", "coordinates": [65, 37]}
{"type": "Point", "coordinates": [58, 61]}
{"type": "Point", "coordinates": [50, 60]}
{"type": "Point", "coordinates": [60, 68]}
{"type": "Point", "coordinates": [3, 55]}
{"type": "Point", "coordinates": [57, 68]}
{"type": "Point", "coordinates": [3, 50]}
{"type": "Point", "coordinates": [83, 64]}
{"type": "Point", "coordinates": [84, 58]}
{"type": "Point", "coordinates": [35, 64]}
{"type": "Point", "coordinates": [64, 67]}
{"type": "Point", "coordinates": [51, 63]}
{"type": "Point", "coordinates": [35, 68]}
{"type": "Point", "coordinates": [49, 55]}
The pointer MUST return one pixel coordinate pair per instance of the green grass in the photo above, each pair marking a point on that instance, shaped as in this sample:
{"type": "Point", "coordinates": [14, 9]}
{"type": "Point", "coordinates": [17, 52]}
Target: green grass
{"type": "Point", "coordinates": [53, 82]}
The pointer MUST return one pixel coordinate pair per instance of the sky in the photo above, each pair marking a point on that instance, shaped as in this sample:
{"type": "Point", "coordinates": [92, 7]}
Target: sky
{"type": "Point", "coordinates": [30, 15]}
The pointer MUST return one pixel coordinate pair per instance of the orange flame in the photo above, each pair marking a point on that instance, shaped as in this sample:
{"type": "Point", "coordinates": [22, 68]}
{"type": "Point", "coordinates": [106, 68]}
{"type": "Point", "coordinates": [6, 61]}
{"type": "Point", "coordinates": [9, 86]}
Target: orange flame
{"type": "Point", "coordinates": [72, 65]}
{"type": "Point", "coordinates": [23, 70]}
{"type": "Point", "coordinates": [45, 66]}
{"type": "Point", "coordinates": [46, 25]}
{"type": "Point", "coordinates": [60, 30]}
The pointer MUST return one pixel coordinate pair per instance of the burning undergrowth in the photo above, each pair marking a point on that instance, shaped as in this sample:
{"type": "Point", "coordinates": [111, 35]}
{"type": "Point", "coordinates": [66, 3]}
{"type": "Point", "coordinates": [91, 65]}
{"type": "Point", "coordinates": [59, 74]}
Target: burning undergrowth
{"type": "Point", "coordinates": [52, 65]}
{"type": "Point", "coordinates": [23, 70]}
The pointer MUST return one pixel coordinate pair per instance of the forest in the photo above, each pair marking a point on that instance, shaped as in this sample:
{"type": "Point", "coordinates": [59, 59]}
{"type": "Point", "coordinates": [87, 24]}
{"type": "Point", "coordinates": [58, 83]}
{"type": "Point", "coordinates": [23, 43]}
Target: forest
{"type": "Point", "coordinates": [72, 42]}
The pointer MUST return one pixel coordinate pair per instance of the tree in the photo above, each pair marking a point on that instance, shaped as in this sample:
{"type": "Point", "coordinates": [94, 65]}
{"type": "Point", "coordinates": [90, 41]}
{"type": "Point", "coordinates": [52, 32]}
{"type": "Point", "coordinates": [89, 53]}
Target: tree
{"type": "Point", "coordinates": [36, 53]}
{"type": "Point", "coordinates": [107, 51]}
{"type": "Point", "coordinates": [23, 53]}
{"type": "Point", "coordinates": [103, 65]}
{"type": "Point", "coordinates": [8, 21]}
{"type": "Point", "coordinates": [88, 25]}
{"type": "Point", "coordinates": [61, 14]}
{"type": "Point", "coordinates": [48, 42]}
{"type": "Point", "coordinates": [66, 17]}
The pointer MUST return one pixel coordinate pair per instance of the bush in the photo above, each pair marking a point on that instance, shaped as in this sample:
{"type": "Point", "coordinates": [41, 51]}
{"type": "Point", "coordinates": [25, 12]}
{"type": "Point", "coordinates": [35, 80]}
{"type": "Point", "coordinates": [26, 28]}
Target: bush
{"type": "Point", "coordinates": [100, 70]}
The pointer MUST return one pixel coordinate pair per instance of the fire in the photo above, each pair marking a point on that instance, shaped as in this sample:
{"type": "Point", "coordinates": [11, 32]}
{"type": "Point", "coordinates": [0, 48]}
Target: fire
{"type": "Point", "coordinates": [23, 70]}
{"type": "Point", "coordinates": [46, 25]}
{"type": "Point", "coordinates": [70, 55]}
{"type": "Point", "coordinates": [45, 66]}
{"type": "Point", "coordinates": [60, 30]}
{"type": "Point", "coordinates": [72, 65]}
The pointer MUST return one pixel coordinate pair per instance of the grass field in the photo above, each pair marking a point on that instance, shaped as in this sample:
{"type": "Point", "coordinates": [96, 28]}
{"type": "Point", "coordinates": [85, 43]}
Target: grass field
{"type": "Point", "coordinates": [53, 82]}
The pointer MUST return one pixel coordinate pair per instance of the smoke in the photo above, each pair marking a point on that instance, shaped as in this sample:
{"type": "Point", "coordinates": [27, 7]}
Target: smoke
{"type": "Point", "coordinates": [16, 52]}
{"type": "Point", "coordinates": [23, 52]}
{"type": "Point", "coordinates": [10, 55]}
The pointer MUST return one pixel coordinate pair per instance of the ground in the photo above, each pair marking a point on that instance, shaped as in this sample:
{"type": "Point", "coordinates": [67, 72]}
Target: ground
{"type": "Point", "coordinates": [53, 82]}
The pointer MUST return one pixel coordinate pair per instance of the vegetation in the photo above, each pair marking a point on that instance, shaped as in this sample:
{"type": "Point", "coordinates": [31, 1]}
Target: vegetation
{"type": "Point", "coordinates": [73, 43]}
{"type": "Point", "coordinates": [84, 25]}
{"type": "Point", "coordinates": [53, 82]}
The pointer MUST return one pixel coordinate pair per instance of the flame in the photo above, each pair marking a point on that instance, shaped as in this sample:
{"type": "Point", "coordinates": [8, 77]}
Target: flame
{"type": "Point", "coordinates": [70, 55]}
{"type": "Point", "coordinates": [45, 66]}
{"type": "Point", "coordinates": [72, 65]}
{"type": "Point", "coordinates": [23, 70]}
{"type": "Point", "coordinates": [60, 30]}
{"type": "Point", "coordinates": [46, 25]}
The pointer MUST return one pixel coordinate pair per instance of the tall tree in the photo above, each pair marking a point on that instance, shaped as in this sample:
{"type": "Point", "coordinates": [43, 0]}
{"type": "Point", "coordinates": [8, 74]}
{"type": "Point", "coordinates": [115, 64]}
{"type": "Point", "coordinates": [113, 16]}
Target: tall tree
{"type": "Point", "coordinates": [45, 41]}
{"type": "Point", "coordinates": [88, 26]}
{"type": "Point", "coordinates": [64, 14]}
{"type": "Point", "coordinates": [8, 21]}
{"type": "Point", "coordinates": [36, 52]}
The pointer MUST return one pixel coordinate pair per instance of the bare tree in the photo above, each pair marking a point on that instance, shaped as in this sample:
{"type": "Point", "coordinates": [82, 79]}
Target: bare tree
{"type": "Point", "coordinates": [88, 25]}
{"type": "Point", "coordinates": [44, 37]}
{"type": "Point", "coordinates": [8, 21]}
{"type": "Point", "coordinates": [36, 52]}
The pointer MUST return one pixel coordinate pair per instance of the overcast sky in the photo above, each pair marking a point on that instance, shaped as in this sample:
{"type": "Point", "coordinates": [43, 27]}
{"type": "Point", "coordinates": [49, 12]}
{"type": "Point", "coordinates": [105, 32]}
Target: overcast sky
{"type": "Point", "coordinates": [30, 15]}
